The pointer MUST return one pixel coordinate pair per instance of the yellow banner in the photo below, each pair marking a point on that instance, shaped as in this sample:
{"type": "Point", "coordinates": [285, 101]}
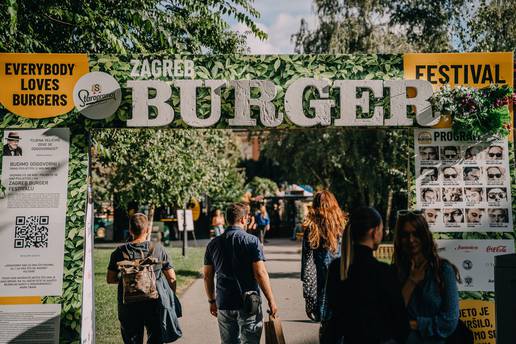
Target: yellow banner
{"type": "Point", "coordinates": [40, 85]}
{"type": "Point", "coordinates": [471, 69]}
{"type": "Point", "coordinates": [479, 317]}
{"type": "Point", "coordinates": [460, 69]}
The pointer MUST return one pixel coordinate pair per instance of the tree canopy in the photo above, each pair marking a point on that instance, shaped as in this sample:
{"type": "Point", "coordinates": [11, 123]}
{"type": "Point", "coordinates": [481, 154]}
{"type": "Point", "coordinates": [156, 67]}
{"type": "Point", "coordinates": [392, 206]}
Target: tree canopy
{"type": "Point", "coordinates": [381, 26]}
{"type": "Point", "coordinates": [119, 27]}
{"type": "Point", "coordinates": [262, 187]}
{"type": "Point", "coordinates": [168, 167]}
{"type": "Point", "coordinates": [362, 167]}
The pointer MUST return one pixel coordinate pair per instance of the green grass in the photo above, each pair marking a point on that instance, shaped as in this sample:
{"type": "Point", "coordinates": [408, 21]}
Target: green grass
{"type": "Point", "coordinates": [107, 325]}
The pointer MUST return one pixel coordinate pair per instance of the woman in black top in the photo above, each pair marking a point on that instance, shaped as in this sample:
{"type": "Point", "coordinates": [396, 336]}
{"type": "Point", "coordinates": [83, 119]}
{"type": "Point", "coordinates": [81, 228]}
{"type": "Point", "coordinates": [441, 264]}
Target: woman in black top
{"type": "Point", "coordinates": [364, 296]}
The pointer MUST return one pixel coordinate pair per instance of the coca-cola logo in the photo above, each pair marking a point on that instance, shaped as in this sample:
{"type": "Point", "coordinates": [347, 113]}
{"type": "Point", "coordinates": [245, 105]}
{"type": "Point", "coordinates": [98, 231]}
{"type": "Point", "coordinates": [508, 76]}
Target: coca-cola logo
{"type": "Point", "coordinates": [466, 248]}
{"type": "Point", "coordinates": [497, 249]}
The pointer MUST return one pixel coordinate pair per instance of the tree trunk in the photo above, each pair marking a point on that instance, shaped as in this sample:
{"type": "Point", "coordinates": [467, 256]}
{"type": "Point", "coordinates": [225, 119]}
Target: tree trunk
{"type": "Point", "coordinates": [388, 212]}
{"type": "Point", "coordinates": [150, 216]}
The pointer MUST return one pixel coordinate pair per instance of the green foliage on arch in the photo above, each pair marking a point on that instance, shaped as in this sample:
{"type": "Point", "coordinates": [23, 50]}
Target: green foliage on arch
{"type": "Point", "coordinates": [280, 69]}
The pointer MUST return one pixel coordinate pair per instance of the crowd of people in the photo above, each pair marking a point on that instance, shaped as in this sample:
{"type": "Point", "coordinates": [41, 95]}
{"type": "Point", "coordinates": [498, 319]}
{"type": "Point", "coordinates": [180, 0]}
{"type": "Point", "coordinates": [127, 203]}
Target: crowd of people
{"type": "Point", "coordinates": [355, 297]}
{"type": "Point", "coordinates": [362, 300]}
{"type": "Point", "coordinates": [258, 224]}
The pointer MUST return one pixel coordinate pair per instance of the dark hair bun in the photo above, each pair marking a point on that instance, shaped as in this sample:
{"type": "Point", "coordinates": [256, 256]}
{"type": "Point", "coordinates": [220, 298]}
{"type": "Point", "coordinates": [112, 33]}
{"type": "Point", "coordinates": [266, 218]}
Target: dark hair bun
{"type": "Point", "coordinates": [362, 220]}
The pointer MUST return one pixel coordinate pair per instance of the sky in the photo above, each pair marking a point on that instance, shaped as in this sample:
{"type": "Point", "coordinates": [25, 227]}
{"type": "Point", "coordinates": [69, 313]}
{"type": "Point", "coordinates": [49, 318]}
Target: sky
{"type": "Point", "coordinates": [279, 19]}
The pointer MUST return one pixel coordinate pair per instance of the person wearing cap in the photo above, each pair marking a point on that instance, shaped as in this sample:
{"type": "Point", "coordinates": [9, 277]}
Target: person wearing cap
{"type": "Point", "coordinates": [11, 148]}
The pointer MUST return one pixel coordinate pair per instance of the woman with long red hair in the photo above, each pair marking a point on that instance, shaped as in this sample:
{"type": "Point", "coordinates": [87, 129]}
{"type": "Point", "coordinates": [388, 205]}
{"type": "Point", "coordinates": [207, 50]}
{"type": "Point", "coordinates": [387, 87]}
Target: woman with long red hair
{"type": "Point", "coordinates": [323, 227]}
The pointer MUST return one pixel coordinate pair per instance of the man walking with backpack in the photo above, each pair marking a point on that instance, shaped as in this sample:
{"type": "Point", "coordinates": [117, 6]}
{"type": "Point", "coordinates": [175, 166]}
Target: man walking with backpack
{"type": "Point", "coordinates": [146, 280]}
{"type": "Point", "coordinates": [237, 260]}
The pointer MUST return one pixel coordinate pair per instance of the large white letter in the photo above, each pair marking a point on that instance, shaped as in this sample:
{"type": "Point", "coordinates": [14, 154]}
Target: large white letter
{"type": "Point", "coordinates": [141, 103]}
{"type": "Point", "coordinates": [267, 109]}
{"type": "Point", "coordinates": [294, 102]}
{"type": "Point", "coordinates": [243, 103]}
{"type": "Point", "coordinates": [399, 102]}
{"type": "Point", "coordinates": [242, 106]}
{"type": "Point", "coordinates": [349, 102]}
{"type": "Point", "coordinates": [188, 99]}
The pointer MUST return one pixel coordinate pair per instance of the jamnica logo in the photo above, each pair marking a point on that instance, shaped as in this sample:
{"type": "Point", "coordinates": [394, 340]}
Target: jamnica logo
{"type": "Point", "coordinates": [466, 248]}
{"type": "Point", "coordinates": [497, 249]}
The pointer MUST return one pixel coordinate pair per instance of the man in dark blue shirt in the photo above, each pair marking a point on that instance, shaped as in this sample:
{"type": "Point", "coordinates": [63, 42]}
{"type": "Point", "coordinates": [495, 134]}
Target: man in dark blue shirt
{"type": "Point", "coordinates": [237, 260]}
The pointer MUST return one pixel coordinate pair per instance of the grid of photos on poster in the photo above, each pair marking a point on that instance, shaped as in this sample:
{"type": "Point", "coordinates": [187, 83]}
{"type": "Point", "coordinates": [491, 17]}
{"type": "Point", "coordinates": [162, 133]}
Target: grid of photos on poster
{"type": "Point", "coordinates": [462, 185]}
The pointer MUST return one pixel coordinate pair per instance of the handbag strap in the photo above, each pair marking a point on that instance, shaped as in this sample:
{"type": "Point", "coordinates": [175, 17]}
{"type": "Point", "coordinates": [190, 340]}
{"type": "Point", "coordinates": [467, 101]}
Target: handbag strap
{"type": "Point", "coordinates": [233, 259]}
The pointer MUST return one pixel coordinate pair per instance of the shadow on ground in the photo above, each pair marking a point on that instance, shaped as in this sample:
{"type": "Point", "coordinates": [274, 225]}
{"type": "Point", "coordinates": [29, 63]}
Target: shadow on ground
{"type": "Point", "coordinates": [285, 275]}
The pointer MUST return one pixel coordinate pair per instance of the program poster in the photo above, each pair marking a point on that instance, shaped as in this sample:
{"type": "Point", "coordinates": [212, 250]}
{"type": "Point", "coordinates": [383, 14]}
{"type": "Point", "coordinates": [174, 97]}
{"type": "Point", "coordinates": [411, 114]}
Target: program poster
{"type": "Point", "coordinates": [475, 260]}
{"type": "Point", "coordinates": [33, 208]}
{"type": "Point", "coordinates": [462, 185]}
{"type": "Point", "coordinates": [30, 324]}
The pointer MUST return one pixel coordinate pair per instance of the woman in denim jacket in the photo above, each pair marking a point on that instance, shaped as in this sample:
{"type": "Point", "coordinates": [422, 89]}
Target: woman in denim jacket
{"type": "Point", "coordinates": [429, 281]}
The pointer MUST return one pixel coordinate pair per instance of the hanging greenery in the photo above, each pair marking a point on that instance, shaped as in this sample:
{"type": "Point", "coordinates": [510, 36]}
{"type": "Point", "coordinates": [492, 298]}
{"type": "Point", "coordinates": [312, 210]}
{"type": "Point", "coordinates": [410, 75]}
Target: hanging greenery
{"type": "Point", "coordinates": [481, 112]}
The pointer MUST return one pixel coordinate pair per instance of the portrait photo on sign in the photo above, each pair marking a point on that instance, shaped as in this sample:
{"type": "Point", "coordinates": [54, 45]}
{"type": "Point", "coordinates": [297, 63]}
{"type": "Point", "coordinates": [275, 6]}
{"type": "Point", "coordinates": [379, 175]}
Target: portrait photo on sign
{"type": "Point", "coordinates": [498, 216]}
{"type": "Point", "coordinates": [473, 153]}
{"type": "Point", "coordinates": [429, 153]}
{"type": "Point", "coordinates": [472, 174]}
{"type": "Point", "coordinates": [495, 175]}
{"type": "Point", "coordinates": [428, 175]}
{"type": "Point", "coordinates": [451, 174]}
{"type": "Point", "coordinates": [430, 195]}
{"type": "Point", "coordinates": [496, 194]}
{"type": "Point", "coordinates": [474, 195]}
{"type": "Point", "coordinates": [453, 216]}
{"type": "Point", "coordinates": [450, 153]}
{"type": "Point", "coordinates": [12, 146]}
{"type": "Point", "coordinates": [432, 216]}
{"type": "Point", "coordinates": [452, 195]}
{"type": "Point", "coordinates": [494, 152]}
{"type": "Point", "coordinates": [474, 215]}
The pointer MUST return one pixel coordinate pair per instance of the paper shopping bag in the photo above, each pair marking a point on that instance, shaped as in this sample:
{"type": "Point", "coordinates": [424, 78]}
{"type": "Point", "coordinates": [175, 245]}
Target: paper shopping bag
{"type": "Point", "coordinates": [274, 331]}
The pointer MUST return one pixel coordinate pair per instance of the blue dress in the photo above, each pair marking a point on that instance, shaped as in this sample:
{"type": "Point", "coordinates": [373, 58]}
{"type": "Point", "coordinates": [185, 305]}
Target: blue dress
{"type": "Point", "coordinates": [436, 313]}
{"type": "Point", "coordinates": [322, 258]}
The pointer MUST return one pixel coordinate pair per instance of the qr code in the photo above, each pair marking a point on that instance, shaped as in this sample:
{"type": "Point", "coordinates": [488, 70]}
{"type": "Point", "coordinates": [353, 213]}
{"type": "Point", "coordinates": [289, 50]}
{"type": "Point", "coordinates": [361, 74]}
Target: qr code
{"type": "Point", "coordinates": [31, 231]}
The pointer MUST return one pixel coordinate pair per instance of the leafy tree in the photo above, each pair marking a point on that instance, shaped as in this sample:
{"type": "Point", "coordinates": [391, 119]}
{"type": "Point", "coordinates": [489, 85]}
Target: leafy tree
{"type": "Point", "coordinates": [429, 26]}
{"type": "Point", "coordinates": [350, 27]}
{"type": "Point", "coordinates": [168, 167]}
{"type": "Point", "coordinates": [493, 28]}
{"type": "Point", "coordinates": [381, 26]}
{"type": "Point", "coordinates": [117, 26]}
{"type": "Point", "coordinates": [262, 186]}
{"type": "Point", "coordinates": [362, 167]}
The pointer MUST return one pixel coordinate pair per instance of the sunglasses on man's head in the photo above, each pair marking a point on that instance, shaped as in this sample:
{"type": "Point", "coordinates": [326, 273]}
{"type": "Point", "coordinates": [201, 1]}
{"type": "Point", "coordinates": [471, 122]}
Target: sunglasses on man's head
{"type": "Point", "coordinates": [450, 175]}
{"type": "Point", "coordinates": [494, 175]}
{"type": "Point", "coordinates": [495, 195]}
{"type": "Point", "coordinates": [497, 155]}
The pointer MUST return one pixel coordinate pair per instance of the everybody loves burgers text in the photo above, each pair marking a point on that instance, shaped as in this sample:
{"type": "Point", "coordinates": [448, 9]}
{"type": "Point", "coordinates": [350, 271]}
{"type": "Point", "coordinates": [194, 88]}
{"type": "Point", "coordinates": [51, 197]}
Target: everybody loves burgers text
{"type": "Point", "coordinates": [39, 83]}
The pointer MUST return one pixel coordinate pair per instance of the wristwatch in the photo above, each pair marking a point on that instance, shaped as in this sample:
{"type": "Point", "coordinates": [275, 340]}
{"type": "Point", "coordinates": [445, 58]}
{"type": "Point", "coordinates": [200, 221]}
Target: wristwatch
{"type": "Point", "coordinates": [211, 301]}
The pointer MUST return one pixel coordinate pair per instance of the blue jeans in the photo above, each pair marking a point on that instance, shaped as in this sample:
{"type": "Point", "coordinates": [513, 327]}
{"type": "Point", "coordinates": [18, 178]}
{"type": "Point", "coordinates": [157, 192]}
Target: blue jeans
{"type": "Point", "coordinates": [237, 327]}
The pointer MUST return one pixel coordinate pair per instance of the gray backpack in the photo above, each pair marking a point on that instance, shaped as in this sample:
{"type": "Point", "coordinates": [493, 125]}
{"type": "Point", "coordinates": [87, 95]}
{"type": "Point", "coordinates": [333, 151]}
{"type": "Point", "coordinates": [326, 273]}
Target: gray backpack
{"type": "Point", "coordinates": [138, 277]}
